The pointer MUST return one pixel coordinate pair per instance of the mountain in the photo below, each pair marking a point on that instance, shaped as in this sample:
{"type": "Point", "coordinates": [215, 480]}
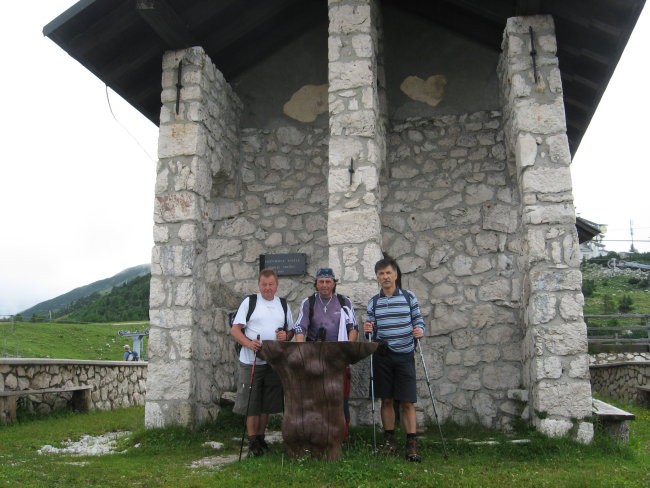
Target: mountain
{"type": "Point", "coordinates": [64, 302]}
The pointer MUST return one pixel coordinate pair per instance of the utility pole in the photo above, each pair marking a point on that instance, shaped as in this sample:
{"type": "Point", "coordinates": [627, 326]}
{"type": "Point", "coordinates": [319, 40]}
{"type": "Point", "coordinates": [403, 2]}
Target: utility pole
{"type": "Point", "coordinates": [632, 248]}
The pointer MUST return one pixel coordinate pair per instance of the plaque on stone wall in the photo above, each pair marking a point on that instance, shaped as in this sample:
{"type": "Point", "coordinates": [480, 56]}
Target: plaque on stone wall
{"type": "Point", "coordinates": [289, 264]}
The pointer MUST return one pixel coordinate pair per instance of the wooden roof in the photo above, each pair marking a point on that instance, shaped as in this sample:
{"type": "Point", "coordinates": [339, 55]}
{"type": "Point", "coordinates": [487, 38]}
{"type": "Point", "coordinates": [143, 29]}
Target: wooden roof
{"type": "Point", "coordinates": [122, 41]}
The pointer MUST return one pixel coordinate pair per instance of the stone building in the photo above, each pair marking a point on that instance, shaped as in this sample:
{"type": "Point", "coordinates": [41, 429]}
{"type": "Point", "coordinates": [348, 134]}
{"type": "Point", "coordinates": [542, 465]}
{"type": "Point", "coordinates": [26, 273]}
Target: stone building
{"type": "Point", "coordinates": [438, 132]}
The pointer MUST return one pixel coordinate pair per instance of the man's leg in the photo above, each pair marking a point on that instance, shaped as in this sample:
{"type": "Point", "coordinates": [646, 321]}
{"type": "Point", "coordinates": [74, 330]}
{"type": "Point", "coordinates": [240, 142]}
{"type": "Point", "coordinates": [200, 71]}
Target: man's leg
{"type": "Point", "coordinates": [252, 424]}
{"type": "Point", "coordinates": [409, 419]}
{"type": "Point", "coordinates": [387, 412]}
{"type": "Point", "coordinates": [261, 426]}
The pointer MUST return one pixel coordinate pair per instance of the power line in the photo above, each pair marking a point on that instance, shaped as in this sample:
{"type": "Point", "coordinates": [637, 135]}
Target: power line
{"type": "Point", "coordinates": [125, 128]}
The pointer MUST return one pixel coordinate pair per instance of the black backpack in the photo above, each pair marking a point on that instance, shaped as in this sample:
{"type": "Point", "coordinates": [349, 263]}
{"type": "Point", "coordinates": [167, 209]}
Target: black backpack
{"type": "Point", "coordinates": [312, 302]}
{"type": "Point", "coordinates": [252, 302]}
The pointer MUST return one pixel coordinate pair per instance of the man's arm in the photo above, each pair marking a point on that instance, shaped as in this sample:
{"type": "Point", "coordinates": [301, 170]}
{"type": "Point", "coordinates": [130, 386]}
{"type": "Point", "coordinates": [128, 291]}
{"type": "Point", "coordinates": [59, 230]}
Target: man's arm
{"type": "Point", "coordinates": [351, 323]}
{"type": "Point", "coordinates": [302, 322]}
{"type": "Point", "coordinates": [416, 317]}
{"type": "Point", "coordinates": [238, 334]}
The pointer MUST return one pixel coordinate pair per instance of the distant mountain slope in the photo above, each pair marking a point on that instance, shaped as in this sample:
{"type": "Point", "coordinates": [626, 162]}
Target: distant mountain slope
{"type": "Point", "coordinates": [101, 287]}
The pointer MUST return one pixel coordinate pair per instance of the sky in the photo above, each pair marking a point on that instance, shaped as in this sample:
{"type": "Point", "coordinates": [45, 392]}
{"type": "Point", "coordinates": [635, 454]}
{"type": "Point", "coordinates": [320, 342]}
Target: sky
{"type": "Point", "coordinates": [77, 174]}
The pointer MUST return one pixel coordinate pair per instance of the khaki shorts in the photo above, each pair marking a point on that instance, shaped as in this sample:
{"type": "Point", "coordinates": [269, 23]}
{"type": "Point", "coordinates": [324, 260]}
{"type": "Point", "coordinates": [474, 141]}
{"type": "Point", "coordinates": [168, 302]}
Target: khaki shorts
{"type": "Point", "coordinates": [266, 395]}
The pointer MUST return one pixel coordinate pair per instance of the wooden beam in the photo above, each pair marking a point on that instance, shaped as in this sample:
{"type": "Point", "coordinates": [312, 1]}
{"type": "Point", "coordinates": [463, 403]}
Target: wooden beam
{"type": "Point", "coordinates": [166, 23]}
{"type": "Point", "coordinates": [527, 7]}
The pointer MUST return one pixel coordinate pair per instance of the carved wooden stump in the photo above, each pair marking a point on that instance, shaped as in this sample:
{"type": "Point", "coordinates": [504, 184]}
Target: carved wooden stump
{"type": "Point", "coordinates": [312, 377]}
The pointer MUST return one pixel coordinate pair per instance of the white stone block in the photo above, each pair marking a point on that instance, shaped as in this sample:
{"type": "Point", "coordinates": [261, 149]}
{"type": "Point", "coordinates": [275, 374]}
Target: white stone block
{"type": "Point", "coordinates": [564, 399]}
{"type": "Point", "coordinates": [526, 150]}
{"type": "Point", "coordinates": [564, 339]}
{"type": "Point", "coordinates": [178, 207]}
{"type": "Point", "coordinates": [346, 75]}
{"type": "Point", "coordinates": [541, 118]}
{"type": "Point", "coordinates": [562, 213]}
{"type": "Point", "coordinates": [546, 180]}
{"type": "Point", "coordinates": [542, 308]}
{"type": "Point", "coordinates": [501, 376]}
{"type": "Point", "coordinates": [495, 290]}
{"type": "Point", "coordinates": [501, 218]}
{"type": "Point", "coordinates": [571, 306]}
{"type": "Point", "coordinates": [554, 427]}
{"type": "Point", "coordinates": [181, 140]}
{"type": "Point", "coordinates": [169, 380]}
{"type": "Point", "coordinates": [346, 19]}
{"type": "Point", "coordinates": [353, 226]}
{"type": "Point", "coordinates": [585, 432]}
{"type": "Point", "coordinates": [547, 367]}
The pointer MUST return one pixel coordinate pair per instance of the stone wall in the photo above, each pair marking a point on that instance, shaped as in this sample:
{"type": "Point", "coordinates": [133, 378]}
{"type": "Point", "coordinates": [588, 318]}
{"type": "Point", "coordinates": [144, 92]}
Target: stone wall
{"type": "Point", "coordinates": [117, 384]}
{"type": "Point", "coordinates": [280, 207]}
{"type": "Point", "coordinates": [555, 361]}
{"type": "Point", "coordinates": [198, 150]}
{"type": "Point", "coordinates": [476, 207]}
{"type": "Point", "coordinates": [620, 380]}
{"type": "Point", "coordinates": [617, 375]}
{"type": "Point", "coordinates": [449, 216]}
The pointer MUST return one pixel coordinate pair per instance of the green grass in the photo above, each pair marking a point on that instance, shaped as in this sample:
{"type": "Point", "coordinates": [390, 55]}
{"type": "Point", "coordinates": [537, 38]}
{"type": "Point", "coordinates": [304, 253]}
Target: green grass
{"type": "Point", "coordinates": [615, 287]}
{"type": "Point", "coordinates": [161, 458]}
{"type": "Point", "coordinates": [66, 341]}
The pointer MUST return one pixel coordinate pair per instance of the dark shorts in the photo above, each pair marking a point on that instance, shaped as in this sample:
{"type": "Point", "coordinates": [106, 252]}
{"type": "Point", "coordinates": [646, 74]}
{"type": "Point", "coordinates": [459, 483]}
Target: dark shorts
{"type": "Point", "coordinates": [394, 376]}
{"type": "Point", "coordinates": [266, 396]}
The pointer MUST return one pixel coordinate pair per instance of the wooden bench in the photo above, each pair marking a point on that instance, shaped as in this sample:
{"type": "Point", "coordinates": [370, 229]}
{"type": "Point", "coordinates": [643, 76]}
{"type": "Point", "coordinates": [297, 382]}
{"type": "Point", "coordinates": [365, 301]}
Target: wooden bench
{"type": "Point", "coordinates": [80, 399]}
{"type": "Point", "coordinates": [644, 395]}
{"type": "Point", "coordinates": [613, 420]}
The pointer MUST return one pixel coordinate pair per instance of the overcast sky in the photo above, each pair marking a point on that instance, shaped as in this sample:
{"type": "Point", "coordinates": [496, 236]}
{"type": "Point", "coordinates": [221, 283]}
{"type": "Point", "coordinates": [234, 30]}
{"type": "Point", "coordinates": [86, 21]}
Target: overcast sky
{"type": "Point", "coordinates": [77, 186]}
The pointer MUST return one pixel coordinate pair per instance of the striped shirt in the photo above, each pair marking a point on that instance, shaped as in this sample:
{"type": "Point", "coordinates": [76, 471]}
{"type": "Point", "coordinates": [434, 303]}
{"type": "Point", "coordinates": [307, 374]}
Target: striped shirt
{"type": "Point", "coordinates": [395, 317]}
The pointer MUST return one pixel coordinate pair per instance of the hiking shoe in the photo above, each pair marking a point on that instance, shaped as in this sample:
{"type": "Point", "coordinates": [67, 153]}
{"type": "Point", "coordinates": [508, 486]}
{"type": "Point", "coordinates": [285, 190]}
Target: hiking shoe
{"type": "Point", "coordinates": [390, 444]}
{"type": "Point", "coordinates": [254, 447]}
{"type": "Point", "coordinates": [412, 451]}
{"type": "Point", "coordinates": [262, 443]}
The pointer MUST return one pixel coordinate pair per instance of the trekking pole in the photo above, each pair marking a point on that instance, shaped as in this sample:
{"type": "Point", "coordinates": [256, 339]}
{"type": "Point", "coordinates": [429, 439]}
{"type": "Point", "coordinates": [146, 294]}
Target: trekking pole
{"type": "Point", "coordinates": [372, 396]}
{"type": "Point", "coordinates": [248, 404]}
{"type": "Point", "coordinates": [433, 403]}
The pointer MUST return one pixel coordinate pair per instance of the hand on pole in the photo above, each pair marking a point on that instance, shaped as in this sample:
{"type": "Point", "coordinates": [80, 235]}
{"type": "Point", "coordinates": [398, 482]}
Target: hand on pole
{"type": "Point", "coordinates": [368, 327]}
{"type": "Point", "coordinates": [255, 345]}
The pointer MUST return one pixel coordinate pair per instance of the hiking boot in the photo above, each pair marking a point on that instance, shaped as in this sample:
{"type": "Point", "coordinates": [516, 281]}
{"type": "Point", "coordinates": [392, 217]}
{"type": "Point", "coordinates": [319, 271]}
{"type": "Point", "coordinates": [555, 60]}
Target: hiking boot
{"type": "Point", "coordinates": [254, 447]}
{"type": "Point", "coordinates": [390, 444]}
{"type": "Point", "coordinates": [262, 443]}
{"type": "Point", "coordinates": [412, 451]}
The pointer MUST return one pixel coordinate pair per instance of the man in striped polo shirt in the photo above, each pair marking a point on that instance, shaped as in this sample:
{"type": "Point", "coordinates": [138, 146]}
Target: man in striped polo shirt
{"type": "Point", "coordinates": [393, 316]}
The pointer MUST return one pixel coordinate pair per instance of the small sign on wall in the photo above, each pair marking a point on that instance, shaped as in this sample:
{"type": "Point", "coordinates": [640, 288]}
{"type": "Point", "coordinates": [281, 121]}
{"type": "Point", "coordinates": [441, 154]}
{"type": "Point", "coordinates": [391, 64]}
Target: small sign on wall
{"type": "Point", "coordinates": [290, 264]}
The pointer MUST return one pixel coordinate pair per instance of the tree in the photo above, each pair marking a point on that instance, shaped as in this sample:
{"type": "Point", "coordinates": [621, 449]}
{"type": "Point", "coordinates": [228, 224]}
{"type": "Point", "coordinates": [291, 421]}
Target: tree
{"type": "Point", "coordinates": [608, 304]}
{"type": "Point", "coordinates": [625, 303]}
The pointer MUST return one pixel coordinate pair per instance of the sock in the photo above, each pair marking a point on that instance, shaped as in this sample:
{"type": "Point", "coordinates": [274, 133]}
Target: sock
{"type": "Point", "coordinates": [389, 432]}
{"type": "Point", "coordinates": [411, 436]}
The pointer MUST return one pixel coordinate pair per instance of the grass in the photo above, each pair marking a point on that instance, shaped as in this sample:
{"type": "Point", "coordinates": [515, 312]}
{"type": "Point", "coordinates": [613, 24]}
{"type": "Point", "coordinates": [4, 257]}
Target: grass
{"type": "Point", "coordinates": [161, 458]}
{"type": "Point", "coordinates": [615, 285]}
{"type": "Point", "coordinates": [66, 341]}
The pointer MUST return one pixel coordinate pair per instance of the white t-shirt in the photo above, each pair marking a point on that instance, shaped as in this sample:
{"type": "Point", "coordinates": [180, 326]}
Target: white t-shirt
{"type": "Point", "coordinates": [267, 317]}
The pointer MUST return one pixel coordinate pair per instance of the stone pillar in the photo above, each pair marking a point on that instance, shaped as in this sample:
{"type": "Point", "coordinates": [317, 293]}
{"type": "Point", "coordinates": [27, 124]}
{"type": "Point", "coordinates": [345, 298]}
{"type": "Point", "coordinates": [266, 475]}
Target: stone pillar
{"type": "Point", "coordinates": [357, 135]}
{"type": "Point", "coordinates": [556, 365]}
{"type": "Point", "coordinates": [197, 145]}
